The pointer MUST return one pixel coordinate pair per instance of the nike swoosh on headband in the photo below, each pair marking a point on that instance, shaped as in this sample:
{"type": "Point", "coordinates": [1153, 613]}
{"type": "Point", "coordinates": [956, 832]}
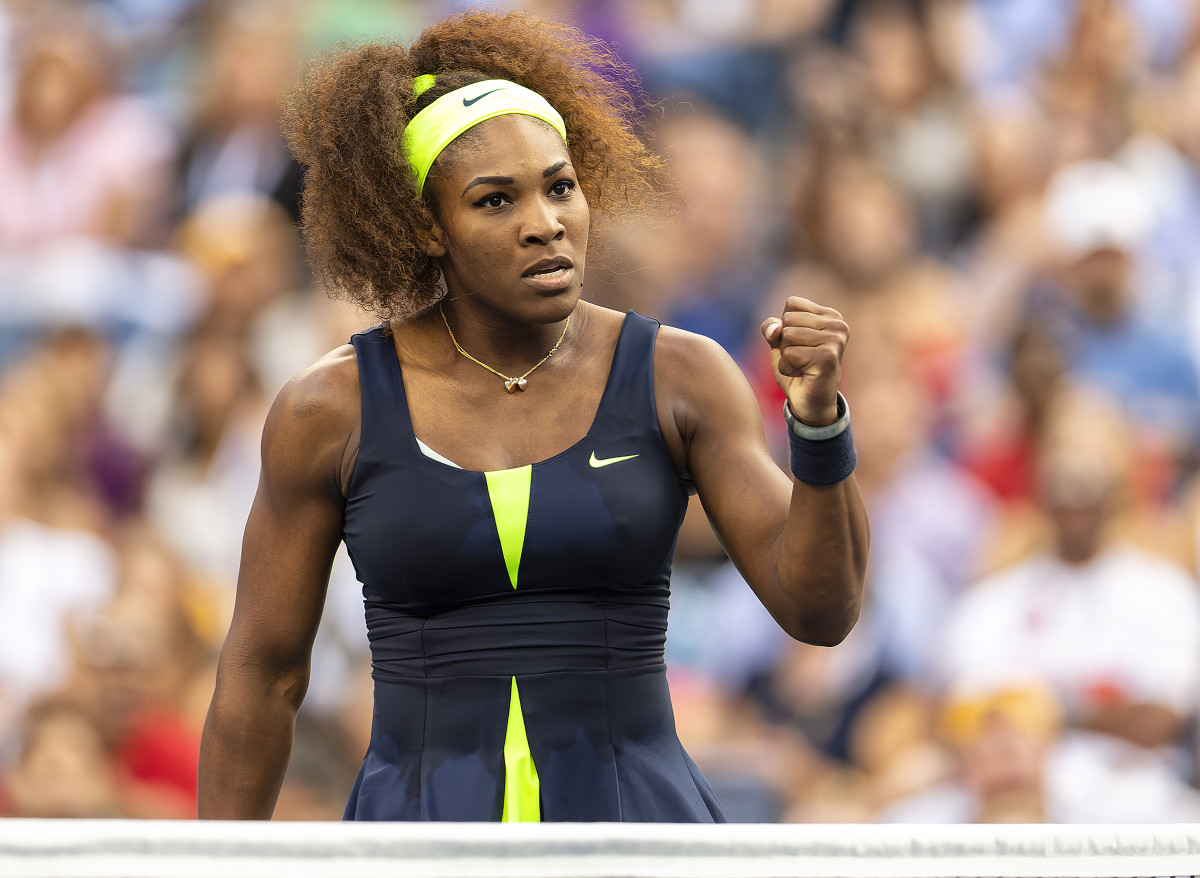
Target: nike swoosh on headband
{"type": "Point", "coordinates": [436, 126]}
{"type": "Point", "coordinates": [467, 103]}
{"type": "Point", "coordinates": [596, 462]}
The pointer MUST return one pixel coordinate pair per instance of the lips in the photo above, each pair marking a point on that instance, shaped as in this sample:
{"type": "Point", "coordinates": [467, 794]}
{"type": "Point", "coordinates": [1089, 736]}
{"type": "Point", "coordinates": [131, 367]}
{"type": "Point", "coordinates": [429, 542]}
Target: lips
{"type": "Point", "coordinates": [548, 267]}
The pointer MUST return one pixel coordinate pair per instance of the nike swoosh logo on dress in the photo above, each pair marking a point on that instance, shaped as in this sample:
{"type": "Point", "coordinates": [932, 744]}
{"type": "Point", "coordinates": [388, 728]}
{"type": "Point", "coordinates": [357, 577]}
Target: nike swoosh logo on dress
{"type": "Point", "coordinates": [597, 462]}
{"type": "Point", "coordinates": [467, 103]}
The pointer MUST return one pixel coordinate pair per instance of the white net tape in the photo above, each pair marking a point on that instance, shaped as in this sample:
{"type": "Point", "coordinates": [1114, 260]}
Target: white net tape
{"type": "Point", "coordinates": [169, 849]}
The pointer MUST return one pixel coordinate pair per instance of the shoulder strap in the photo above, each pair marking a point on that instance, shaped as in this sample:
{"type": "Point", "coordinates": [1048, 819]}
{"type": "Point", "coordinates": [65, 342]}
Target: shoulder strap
{"type": "Point", "coordinates": [629, 394]}
{"type": "Point", "coordinates": [385, 417]}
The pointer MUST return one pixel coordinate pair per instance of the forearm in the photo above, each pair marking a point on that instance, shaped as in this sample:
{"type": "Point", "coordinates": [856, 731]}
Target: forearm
{"type": "Point", "coordinates": [801, 545]}
{"type": "Point", "coordinates": [821, 562]}
{"type": "Point", "coordinates": [1148, 725]}
{"type": "Point", "coordinates": [247, 743]}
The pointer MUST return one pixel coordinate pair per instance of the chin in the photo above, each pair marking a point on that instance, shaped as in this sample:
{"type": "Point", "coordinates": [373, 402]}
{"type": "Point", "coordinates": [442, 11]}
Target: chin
{"type": "Point", "coordinates": [561, 305]}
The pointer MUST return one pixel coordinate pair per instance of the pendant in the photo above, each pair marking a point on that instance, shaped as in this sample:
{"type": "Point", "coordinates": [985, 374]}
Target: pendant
{"type": "Point", "coordinates": [512, 385]}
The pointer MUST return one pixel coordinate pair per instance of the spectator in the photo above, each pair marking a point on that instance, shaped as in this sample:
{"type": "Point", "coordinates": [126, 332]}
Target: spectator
{"type": "Point", "coordinates": [50, 575]}
{"type": "Point", "coordinates": [707, 267]}
{"type": "Point", "coordinates": [233, 144]}
{"type": "Point", "coordinates": [65, 768]}
{"type": "Point", "coordinates": [1002, 445]}
{"type": "Point", "coordinates": [916, 121]}
{"type": "Point", "coordinates": [1013, 764]}
{"type": "Point", "coordinates": [84, 165]}
{"type": "Point", "coordinates": [1000, 741]}
{"type": "Point", "coordinates": [1114, 631]}
{"type": "Point", "coordinates": [144, 672]}
{"type": "Point", "coordinates": [77, 157]}
{"type": "Point", "coordinates": [200, 495]}
{"type": "Point", "coordinates": [1096, 215]}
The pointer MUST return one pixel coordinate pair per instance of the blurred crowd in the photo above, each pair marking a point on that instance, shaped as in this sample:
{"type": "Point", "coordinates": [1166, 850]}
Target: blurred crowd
{"type": "Point", "coordinates": [999, 195]}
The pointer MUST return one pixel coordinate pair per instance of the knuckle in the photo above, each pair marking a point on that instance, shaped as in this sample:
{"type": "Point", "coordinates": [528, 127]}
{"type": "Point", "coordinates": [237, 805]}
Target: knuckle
{"type": "Point", "coordinates": [792, 361]}
{"type": "Point", "coordinates": [829, 357]}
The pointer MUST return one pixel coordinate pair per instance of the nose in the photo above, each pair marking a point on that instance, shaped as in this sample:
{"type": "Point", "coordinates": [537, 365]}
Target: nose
{"type": "Point", "coordinates": [542, 223]}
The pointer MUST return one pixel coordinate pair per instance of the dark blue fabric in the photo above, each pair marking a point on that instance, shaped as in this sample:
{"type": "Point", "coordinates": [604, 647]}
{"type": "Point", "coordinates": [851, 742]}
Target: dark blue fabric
{"type": "Point", "coordinates": [583, 632]}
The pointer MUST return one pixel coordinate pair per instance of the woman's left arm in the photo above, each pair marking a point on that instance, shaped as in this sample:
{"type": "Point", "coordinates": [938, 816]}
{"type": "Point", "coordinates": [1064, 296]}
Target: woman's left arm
{"type": "Point", "coordinates": [801, 546]}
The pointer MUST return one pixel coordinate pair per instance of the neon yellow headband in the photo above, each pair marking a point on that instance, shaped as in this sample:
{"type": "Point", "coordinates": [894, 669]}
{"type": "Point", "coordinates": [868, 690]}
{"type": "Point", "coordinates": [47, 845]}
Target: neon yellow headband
{"type": "Point", "coordinates": [436, 126]}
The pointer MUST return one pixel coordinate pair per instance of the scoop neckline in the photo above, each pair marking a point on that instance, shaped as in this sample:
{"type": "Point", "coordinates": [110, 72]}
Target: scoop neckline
{"type": "Point", "coordinates": [411, 439]}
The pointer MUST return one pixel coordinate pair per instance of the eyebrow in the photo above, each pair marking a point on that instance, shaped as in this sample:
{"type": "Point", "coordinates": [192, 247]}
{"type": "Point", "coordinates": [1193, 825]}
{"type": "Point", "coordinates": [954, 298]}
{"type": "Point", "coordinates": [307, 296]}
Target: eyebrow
{"type": "Point", "coordinates": [491, 181]}
{"type": "Point", "coordinates": [508, 181]}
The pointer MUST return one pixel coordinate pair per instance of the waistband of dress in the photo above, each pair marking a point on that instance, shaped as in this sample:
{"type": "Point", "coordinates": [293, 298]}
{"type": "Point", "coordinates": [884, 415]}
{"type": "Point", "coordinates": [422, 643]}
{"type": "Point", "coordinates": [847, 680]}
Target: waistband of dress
{"type": "Point", "coordinates": [527, 637]}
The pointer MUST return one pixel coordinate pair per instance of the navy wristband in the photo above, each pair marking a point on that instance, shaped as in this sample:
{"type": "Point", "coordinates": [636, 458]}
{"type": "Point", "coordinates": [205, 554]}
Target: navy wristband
{"type": "Point", "coordinates": [822, 455]}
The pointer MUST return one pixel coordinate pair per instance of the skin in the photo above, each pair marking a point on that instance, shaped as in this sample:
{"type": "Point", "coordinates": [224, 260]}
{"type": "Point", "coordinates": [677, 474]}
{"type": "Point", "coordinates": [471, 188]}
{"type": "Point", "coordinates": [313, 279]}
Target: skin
{"type": "Point", "coordinates": [501, 209]}
{"type": "Point", "coordinates": [1004, 766]}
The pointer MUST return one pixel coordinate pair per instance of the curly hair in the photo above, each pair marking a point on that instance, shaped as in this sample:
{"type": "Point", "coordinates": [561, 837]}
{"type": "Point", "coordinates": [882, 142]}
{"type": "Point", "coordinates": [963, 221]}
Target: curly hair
{"type": "Point", "coordinates": [361, 217]}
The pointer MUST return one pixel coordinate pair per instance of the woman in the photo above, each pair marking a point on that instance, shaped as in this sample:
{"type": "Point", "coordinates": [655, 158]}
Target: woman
{"type": "Point", "coordinates": [507, 464]}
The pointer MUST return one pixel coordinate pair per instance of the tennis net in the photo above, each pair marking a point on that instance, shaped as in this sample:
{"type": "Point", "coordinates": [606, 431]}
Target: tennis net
{"type": "Point", "coordinates": [177, 849]}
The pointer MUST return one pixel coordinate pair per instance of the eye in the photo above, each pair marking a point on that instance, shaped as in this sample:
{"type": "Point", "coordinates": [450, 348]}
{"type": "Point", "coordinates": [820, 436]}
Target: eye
{"type": "Point", "coordinates": [562, 187]}
{"type": "Point", "coordinates": [493, 200]}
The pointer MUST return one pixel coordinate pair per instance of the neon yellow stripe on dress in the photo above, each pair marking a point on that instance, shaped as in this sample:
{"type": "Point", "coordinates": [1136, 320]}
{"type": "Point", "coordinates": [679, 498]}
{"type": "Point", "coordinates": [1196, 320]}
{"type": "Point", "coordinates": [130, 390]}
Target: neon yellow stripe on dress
{"type": "Point", "coordinates": [508, 489]}
{"type": "Point", "coordinates": [522, 789]}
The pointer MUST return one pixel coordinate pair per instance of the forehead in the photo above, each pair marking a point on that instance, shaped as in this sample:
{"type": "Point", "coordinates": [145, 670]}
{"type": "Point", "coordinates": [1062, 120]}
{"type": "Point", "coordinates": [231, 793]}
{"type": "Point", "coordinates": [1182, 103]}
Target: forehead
{"type": "Point", "coordinates": [509, 145]}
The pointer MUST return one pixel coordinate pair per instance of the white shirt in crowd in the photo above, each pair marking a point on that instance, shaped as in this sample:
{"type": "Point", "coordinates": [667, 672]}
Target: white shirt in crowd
{"type": "Point", "coordinates": [1125, 626]}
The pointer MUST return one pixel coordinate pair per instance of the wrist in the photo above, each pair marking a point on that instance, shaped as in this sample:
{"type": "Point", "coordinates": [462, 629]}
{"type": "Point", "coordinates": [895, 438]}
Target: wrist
{"type": "Point", "coordinates": [833, 427]}
{"type": "Point", "coordinates": [821, 416]}
{"type": "Point", "coordinates": [822, 455]}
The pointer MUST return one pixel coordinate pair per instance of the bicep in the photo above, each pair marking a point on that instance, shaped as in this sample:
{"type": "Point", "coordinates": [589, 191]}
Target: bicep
{"type": "Point", "coordinates": [290, 540]}
{"type": "Point", "coordinates": [744, 492]}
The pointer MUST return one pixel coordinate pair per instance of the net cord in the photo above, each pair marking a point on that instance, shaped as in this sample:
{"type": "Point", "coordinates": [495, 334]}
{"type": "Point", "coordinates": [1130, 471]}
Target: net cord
{"type": "Point", "coordinates": [188, 849]}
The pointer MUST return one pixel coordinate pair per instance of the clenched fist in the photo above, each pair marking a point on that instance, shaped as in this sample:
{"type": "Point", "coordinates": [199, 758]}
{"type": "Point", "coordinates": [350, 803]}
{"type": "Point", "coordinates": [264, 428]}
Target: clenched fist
{"type": "Point", "coordinates": [807, 344]}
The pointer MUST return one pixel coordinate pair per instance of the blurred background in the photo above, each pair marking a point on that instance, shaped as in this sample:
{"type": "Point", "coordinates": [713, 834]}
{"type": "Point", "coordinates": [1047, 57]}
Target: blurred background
{"type": "Point", "coordinates": [1001, 196]}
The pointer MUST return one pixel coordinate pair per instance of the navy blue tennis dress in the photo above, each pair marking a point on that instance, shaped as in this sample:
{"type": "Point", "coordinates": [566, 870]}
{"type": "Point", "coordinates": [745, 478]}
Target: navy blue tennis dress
{"type": "Point", "coordinates": [517, 618]}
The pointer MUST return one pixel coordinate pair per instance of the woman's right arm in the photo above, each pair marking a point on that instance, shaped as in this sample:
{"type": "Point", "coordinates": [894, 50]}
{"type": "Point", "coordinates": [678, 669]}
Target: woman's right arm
{"type": "Point", "coordinates": [292, 534]}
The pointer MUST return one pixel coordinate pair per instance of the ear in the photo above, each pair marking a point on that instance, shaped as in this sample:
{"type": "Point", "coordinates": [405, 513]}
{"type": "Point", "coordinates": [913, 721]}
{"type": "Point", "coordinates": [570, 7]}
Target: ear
{"type": "Point", "coordinates": [433, 242]}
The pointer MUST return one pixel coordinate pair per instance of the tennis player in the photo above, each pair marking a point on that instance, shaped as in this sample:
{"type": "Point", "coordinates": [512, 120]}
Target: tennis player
{"type": "Point", "coordinates": [507, 463]}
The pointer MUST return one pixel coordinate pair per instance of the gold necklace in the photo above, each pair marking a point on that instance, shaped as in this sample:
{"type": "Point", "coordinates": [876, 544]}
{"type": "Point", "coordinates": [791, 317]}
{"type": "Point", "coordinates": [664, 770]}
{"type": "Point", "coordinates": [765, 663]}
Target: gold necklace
{"type": "Point", "coordinates": [512, 385]}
